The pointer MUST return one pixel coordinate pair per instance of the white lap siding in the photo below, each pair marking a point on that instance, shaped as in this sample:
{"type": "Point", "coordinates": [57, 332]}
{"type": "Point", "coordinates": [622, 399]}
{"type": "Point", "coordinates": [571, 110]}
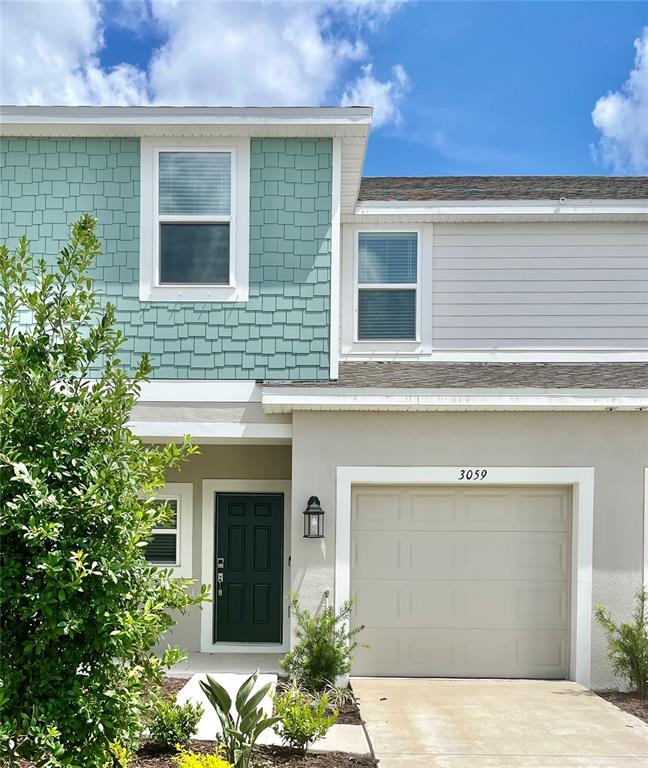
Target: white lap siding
{"type": "Point", "coordinates": [544, 285]}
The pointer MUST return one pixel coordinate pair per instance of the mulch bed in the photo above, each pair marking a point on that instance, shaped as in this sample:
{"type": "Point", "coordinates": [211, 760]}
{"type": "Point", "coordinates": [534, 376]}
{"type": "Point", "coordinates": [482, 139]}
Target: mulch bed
{"type": "Point", "coordinates": [173, 685]}
{"type": "Point", "coordinates": [628, 702]}
{"type": "Point", "coordinates": [264, 757]}
{"type": "Point", "coordinates": [269, 757]}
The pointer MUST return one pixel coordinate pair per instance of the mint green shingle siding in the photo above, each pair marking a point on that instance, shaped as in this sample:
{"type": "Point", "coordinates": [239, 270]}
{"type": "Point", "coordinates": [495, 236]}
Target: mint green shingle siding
{"type": "Point", "coordinates": [282, 332]}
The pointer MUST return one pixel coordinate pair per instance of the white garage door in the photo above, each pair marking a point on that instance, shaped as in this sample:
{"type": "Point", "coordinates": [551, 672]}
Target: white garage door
{"type": "Point", "coordinates": [461, 581]}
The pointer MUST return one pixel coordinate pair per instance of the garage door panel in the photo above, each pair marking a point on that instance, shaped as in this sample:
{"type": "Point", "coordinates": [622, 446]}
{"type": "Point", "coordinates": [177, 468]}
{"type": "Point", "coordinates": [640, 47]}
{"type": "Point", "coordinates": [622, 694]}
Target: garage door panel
{"type": "Point", "coordinates": [461, 580]}
{"type": "Point", "coordinates": [473, 653]}
{"type": "Point", "coordinates": [438, 604]}
{"type": "Point", "coordinates": [496, 555]}
{"type": "Point", "coordinates": [407, 555]}
{"type": "Point", "coordinates": [458, 508]}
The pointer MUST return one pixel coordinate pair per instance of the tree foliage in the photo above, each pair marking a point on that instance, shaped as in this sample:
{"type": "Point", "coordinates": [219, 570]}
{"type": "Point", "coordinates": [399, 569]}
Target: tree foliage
{"type": "Point", "coordinates": [81, 607]}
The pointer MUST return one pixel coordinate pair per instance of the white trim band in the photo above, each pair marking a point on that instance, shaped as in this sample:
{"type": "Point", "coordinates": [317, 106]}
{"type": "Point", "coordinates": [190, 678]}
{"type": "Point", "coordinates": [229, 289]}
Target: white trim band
{"type": "Point", "coordinates": [211, 431]}
{"type": "Point", "coordinates": [204, 391]}
{"type": "Point", "coordinates": [289, 399]}
{"type": "Point", "coordinates": [447, 210]}
{"type": "Point", "coordinates": [645, 530]}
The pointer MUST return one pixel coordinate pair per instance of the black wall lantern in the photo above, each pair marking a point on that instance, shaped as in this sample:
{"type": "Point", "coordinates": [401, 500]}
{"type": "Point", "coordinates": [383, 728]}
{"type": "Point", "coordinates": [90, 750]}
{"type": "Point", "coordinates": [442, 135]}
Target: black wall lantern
{"type": "Point", "coordinates": [313, 519]}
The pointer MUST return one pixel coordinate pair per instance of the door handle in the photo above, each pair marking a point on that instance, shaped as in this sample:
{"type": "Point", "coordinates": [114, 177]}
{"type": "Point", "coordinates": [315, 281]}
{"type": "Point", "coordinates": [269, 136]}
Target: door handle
{"type": "Point", "coordinates": [219, 579]}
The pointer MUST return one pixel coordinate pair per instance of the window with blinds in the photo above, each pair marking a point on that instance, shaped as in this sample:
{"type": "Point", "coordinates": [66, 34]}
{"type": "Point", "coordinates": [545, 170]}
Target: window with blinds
{"type": "Point", "coordinates": [194, 217]}
{"type": "Point", "coordinates": [387, 285]}
{"type": "Point", "coordinates": [163, 548]}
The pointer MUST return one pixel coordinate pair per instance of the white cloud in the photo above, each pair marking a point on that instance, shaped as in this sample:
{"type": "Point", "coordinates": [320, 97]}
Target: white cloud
{"type": "Point", "coordinates": [248, 54]}
{"type": "Point", "coordinates": [286, 52]}
{"type": "Point", "coordinates": [384, 97]}
{"type": "Point", "coordinates": [49, 56]}
{"type": "Point", "coordinates": [622, 117]}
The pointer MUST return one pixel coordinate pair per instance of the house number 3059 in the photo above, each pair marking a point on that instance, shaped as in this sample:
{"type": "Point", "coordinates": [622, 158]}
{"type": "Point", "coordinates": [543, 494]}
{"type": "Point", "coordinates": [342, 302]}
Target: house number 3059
{"type": "Point", "coordinates": [472, 474]}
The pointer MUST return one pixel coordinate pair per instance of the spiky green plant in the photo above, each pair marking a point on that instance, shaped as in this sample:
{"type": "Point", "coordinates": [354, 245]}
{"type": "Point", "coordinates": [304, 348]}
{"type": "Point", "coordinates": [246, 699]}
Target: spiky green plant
{"type": "Point", "coordinates": [628, 644]}
{"type": "Point", "coordinates": [241, 728]}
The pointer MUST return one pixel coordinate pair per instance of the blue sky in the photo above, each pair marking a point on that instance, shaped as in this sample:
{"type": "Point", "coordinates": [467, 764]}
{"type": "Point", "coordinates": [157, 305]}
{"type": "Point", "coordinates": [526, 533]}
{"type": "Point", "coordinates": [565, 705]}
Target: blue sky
{"type": "Point", "coordinates": [457, 87]}
{"type": "Point", "coordinates": [503, 87]}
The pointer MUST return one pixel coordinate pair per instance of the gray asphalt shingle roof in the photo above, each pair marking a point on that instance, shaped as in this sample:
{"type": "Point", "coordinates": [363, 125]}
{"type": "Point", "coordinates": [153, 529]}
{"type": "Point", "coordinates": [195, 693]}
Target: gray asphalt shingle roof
{"type": "Point", "coordinates": [485, 375]}
{"type": "Point", "coordinates": [403, 188]}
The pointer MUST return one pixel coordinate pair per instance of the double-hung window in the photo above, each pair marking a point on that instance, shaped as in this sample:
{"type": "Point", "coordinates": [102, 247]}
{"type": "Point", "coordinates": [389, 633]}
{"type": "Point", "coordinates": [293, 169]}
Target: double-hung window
{"type": "Point", "coordinates": [194, 220]}
{"type": "Point", "coordinates": [387, 286]}
{"type": "Point", "coordinates": [162, 550]}
{"type": "Point", "coordinates": [170, 546]}
{"type": "Point", "coordinates": [194, 217]}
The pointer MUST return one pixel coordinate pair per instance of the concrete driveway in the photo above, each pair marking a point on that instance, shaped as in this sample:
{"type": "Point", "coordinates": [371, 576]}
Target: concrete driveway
{"type": "Point", "coordinates": [496, 724]}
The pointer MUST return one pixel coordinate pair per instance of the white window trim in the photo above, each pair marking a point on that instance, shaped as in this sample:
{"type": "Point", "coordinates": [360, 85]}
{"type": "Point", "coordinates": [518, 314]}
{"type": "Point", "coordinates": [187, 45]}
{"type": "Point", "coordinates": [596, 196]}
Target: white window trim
{"type": "Point", "coordinates": [238, 290]}
{"type": "Point", "coordinates": [182, 493]}
{"type": "Point", "coordinates": [209, 490]}
{"type": "Point", "coordinates": [350, 344]}
{"type": "Point", "coordinates": [581, 479]}
{"type": "Point", "coordinates": [645, 530]}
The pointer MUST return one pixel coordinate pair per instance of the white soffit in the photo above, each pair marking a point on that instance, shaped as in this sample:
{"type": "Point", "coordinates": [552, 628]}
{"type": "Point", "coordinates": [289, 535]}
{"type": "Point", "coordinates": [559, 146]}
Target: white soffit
{"type": "Point", "coordinates": [289, 399]}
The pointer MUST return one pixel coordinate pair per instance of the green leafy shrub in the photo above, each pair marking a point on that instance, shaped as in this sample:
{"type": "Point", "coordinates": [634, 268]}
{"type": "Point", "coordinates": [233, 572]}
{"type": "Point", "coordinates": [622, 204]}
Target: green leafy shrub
{"type": "Point", "coordinates": [303, 717]}
{"type": "Point", "coordinates": [82, 608]}
{"type": "Point", "coordinates": [241, 730]}
{"type": "Point", "coordinates": [172, 723]}
{"type": "Point", "coordinates": [121, 755]}
{"type": "Point", "coordinates": [187, 759]}
{"type": "Point", "coordinates": [628, 644]}
{"type": "Point", "coordinates": [324, 646]}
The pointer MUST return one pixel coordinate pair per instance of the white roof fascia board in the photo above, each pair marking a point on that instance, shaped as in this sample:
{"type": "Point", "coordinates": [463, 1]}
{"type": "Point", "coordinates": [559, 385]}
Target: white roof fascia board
{"type": "Point", "coordinates": [142, 120]}
{"type": "Point", "coordinates": [275, 400]}
{"type": "Point", "coordinates": [502, 210]}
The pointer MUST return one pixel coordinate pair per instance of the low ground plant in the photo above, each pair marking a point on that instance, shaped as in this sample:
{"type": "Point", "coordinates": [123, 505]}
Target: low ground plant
{"type": "Point", "coordinates": [303, 717]}
{"type": "Point", "coordinates": [188, 759]}
{"type": "Point", "coordinates": [628, 644]}
{"type": "Point", "coordinates": [240, 730]}
{"type": "Point", "coordinates": [173, 724]}
{"type": "Point", "coordinates": [324, 646]}
{"type": "Point", "coordinates": [339, 696]}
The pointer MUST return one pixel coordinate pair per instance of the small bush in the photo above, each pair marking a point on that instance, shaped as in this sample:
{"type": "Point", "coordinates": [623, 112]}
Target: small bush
{"type": "Point", "coordinates": [323, 649]}
{"type": "Point", "coordinates": [628, 644]}
{"type": "Point", "coordinates": [188, 759]}
{"type": "Point", "coordinates": [173, 723]}
{"type": "Point", "coordinates": [304, 717]}
{"type": "Point", "coordinates": [121, 755]}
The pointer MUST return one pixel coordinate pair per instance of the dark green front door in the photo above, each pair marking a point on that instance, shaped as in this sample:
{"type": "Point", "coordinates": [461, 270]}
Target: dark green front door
{"type": "Point", "coordinates": [248, 567]}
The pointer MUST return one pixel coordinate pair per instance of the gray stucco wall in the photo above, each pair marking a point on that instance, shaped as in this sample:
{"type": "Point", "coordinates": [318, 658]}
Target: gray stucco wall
{"type": "Point", "coordinates": [614, 443]}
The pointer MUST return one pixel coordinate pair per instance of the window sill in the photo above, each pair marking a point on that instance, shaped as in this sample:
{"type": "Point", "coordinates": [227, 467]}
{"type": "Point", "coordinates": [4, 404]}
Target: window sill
{"type": "Point", "coordinates": [220, 293]}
